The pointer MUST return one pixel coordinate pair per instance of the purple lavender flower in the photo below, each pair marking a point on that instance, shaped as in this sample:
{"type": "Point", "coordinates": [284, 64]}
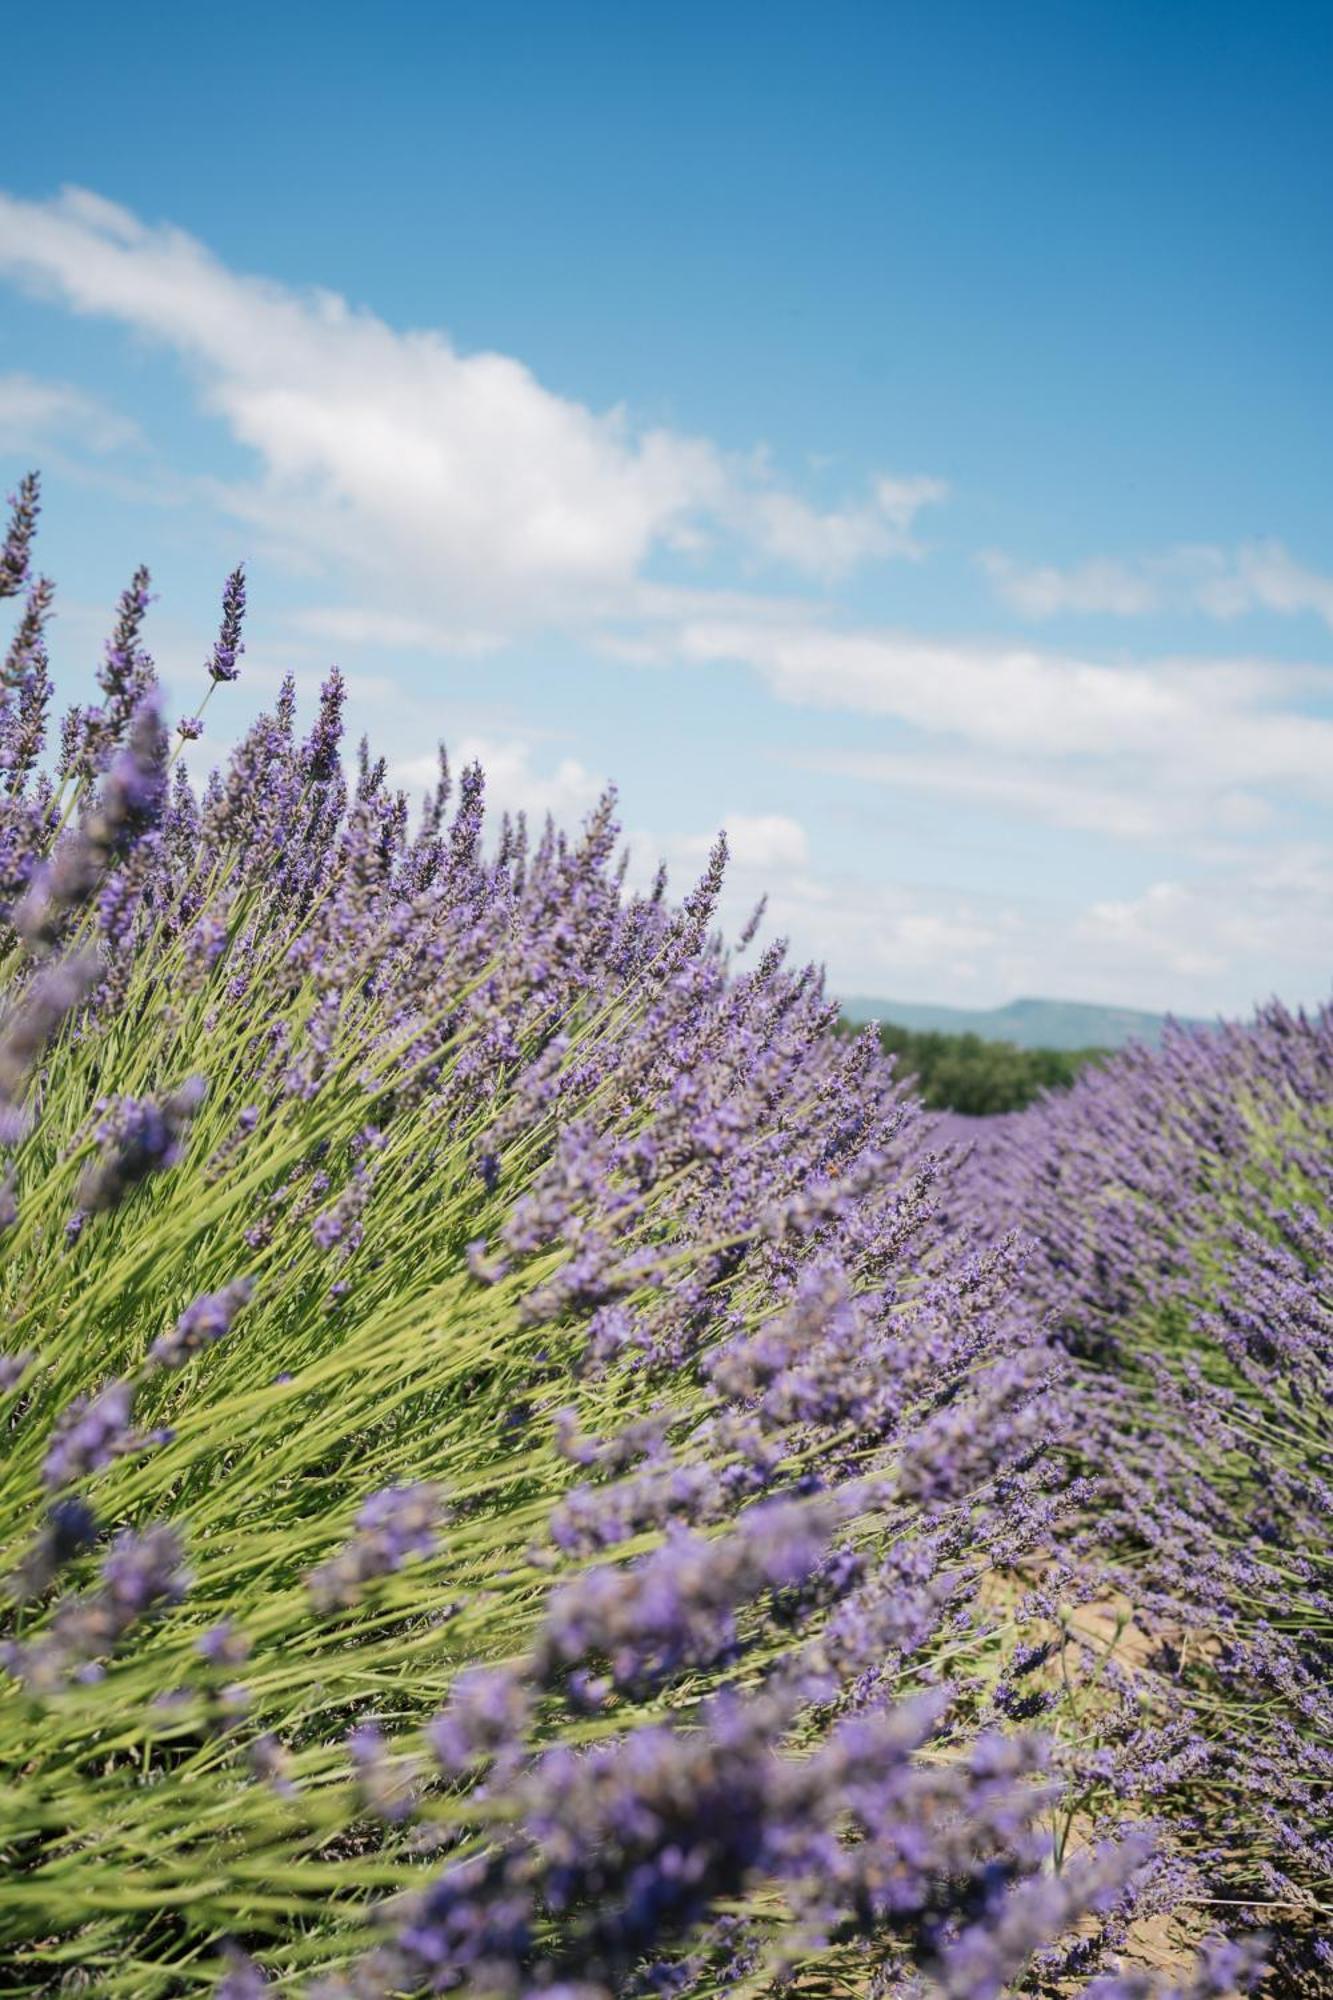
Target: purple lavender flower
{"type": "Point", "coordinates": [138, 1137]}
{"type": "Point", "coordinates": [141, 1573]}
{"type": "Point", "coordinates": [487, 1715]}
{"type": "Point", "coordinates": [677, 1608]}
{"type": "Point", "coordinates": [207, 1321]}
{"type": "Point", "coordinates": [387, 1784]}
{"type": "Point", "coordinates": [320, 757]}
{"type": "Point", "coordinates": [228, 647]}
{"type": "Point", "coordinates": [271, 1762]}
{"type": "Point", "coordinates": [70, 1528]}
{"type": "Point", "coordinates": [25, 504]}
{"type": "Point", "coordinates": [222, 1645]}
{"type": "Point", "coordinates": [50, 996]}
{"type": "Point", "coordinates": [397, 1522]}
{"type": "Point", "coordinates": [243, 1978]}
{"type": "Point", "coordinates": [89, 1434]}
{"type": "Point", "coordinates": [13, 1368]}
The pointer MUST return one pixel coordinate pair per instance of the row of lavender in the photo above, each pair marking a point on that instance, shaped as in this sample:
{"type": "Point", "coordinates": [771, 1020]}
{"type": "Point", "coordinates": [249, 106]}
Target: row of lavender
{"type": "Point", "coordinates": [1179, 1207]}
{"type": "Point", "coordinates": [506, 1459]}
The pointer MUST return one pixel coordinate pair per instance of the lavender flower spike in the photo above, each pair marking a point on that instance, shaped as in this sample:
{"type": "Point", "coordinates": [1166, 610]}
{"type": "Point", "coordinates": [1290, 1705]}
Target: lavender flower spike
{"type": "Point", "coordinates": [88, 1435]}
{"type": "Point", "coordinates": [228, 648]}
{"type": "Point", "coordinates": [209, 1319]}
{"type": "Point", "coordinates": [398, 1522]}
{"type": "Point", "coordinates": [14, 550]}
{"type": "Point", "coordinates": [139, 1137]}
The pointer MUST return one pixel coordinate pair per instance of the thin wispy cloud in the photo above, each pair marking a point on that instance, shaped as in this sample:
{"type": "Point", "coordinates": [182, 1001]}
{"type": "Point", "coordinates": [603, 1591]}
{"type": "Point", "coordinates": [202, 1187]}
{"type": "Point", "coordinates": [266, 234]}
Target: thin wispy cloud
{"type": "Point", "coordinates": [35, 414]}
{"type": "Point", "coordinates": [1215, 582]}
{"type": "Point", "coordinates": [1217, 718]}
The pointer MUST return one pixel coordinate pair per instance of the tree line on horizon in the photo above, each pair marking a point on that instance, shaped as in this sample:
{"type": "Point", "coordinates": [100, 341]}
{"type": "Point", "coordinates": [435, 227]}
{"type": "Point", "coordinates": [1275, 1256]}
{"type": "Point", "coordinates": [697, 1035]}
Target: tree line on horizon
{"type": "Point", "coordinates": [971, 1074]}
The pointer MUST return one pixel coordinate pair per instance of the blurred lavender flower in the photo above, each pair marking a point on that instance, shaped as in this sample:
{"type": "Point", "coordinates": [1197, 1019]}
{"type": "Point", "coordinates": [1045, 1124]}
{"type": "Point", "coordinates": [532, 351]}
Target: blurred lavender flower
{"type": "Point", "coordinates": [141, 1573]}
{"type": "Point", "coordinates": [70, 1528]}
{"type": "Point", "coordinates": [397, 1522]}
{"type": "Point", "coordinates": [138, 1137]}
{"type": "Point", "coordinates": [43, 1005]}
{"type": "Point", "coordinates": [243, 1978]}
{"type": "Point", "coordinates": [208, 1320]}
{"type": "Point", "coordinates": [25, 505]}
{"type": "Point", "coordinates": [486, 1716]}
{"type": "Point", "coordinates": [89, 1434]}
{"type": "Point", "coordinates": [13, 1367]}
{"type": "Point", "coordinates": [386, 1783]}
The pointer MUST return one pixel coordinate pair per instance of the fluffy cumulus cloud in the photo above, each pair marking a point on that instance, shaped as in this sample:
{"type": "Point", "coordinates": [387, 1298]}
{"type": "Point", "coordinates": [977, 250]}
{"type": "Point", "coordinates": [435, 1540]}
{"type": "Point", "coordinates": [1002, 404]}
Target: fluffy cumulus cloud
{"type": "Point", "coordinates": [1181, 937]}
{"type": "Point", "coordinates": [519, 779]}
{"type": "Point", "coordinates": [456, 480]}
{"type": "Point", "coordinates": [831, 544]}
{"type": "Point", "coordinates": [1220, 583]}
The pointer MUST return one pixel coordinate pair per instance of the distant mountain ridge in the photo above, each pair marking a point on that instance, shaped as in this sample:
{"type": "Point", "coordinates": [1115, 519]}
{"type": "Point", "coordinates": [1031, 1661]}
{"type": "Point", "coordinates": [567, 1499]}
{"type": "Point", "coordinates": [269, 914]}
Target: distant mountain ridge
{"type": "Point", "coordinates": [1030, 1024]}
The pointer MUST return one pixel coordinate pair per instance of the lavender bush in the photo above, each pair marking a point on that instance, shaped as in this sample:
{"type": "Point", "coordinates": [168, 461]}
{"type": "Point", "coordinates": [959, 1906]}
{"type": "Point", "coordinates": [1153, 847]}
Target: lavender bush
{"type": "Point", "coordinates": [1181, 1204]}
{"type": "Point", "coordinates": [502, 1452]}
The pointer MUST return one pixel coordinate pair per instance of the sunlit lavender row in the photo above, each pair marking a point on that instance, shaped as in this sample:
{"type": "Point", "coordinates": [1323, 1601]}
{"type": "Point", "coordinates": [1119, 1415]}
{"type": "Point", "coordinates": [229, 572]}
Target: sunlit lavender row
{"type": "Point", "coordinates": [532, 1468]}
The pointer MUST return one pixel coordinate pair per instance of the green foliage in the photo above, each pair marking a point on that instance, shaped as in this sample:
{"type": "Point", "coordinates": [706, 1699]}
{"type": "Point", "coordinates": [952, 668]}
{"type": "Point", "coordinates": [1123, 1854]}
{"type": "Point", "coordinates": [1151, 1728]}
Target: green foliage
{"type": "Point", "coordinates": [969, 1074]}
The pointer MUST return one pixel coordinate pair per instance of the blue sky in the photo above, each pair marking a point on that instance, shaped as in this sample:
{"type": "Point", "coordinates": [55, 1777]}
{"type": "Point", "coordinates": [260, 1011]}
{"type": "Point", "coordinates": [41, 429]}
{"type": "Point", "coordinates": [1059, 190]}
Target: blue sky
{"type": "Point", "coordinates": [897, 433]}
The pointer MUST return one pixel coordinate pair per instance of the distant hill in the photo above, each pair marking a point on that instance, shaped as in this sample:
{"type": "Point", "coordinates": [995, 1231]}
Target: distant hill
{"type": "Point", "coordinates": [1029, 1024]}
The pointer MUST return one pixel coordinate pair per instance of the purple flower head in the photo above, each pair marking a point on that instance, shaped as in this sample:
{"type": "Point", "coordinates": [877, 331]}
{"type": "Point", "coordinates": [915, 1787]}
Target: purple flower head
{"type": "Point", "coordinates": [208, 1320]}
{"type": "Point", "coordinates": [397, 1522]}
{"type": "Point", "coordinates": [138, 1137]}
{"type": "Point", "coordinates": [134, 788]}
{"type": "Point", "coordinates": [25, 504]}
{"type": "Point", "coordinates": [486, 1715]}
{"type": "Point", "coordinates": [676, 1609]}
{"type": "Point", "coordinates": [271, 1762]}
{"type": "Point", "coordinates": [222, 1645]}
{"type": "Point", "coordinates": [89, 1434]}
{"type": "Point", "coordinates": [243, 1979]}
{"type": "Point", "coordinates": [386, 1783]}
{"type": "Point", "coordinates": [320, 756]}
{"type": "Point", "coordinates": [70, 1528]}
{"type": "Point", "coordinates": [142, 1571]}
{"type": "Point", "coordinates": [228, 647]}
{"type": "Point", "coordinates": [44, 1004]}
{"type": "Point", "coordinates": [13, 1368]}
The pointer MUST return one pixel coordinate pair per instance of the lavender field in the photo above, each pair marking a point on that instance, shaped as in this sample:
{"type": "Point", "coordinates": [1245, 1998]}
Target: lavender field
{"type": "Point", "coordinates": [534, 1468]}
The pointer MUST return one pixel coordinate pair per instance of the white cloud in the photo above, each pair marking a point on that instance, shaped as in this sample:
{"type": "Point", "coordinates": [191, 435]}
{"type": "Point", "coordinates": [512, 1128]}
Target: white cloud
{"type": "Point", "coordinates": [449, 501]}
{"type": "Point", "coordinates": [888, 937]}
{"type": "Point", "coordinates": [35, 413]}
{"type": "Point", "coordinates": [884, 933]}
{"type": "Point", "coordinates": [1211, 719]}
{"type": "Point", "coordinates": [1109, 798]}
{"type": "Point", "coordinates": [829, 545]}
{"type": "Point", "coordinates": [1275, 912]}
{"type": "Point", "coordinates": [1221, 583]}
{"type": "Point", "coordinates": [455, 482]}
{"type": "Point", "coordinates": [513, 783]}
{"type": "Point", "coordinates": [763, 842]}
{"type": "Point", "coordinates": [1222, 941]}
